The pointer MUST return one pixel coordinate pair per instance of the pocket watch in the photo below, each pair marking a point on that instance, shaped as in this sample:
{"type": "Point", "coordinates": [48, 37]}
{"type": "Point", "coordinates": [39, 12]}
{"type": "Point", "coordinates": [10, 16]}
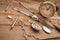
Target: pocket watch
{"type": "Point", "coordinates": [47, 9]}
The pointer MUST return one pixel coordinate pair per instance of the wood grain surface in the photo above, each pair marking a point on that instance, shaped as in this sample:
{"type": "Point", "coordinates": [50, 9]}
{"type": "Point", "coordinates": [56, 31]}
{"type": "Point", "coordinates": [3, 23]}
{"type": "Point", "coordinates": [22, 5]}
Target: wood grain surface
{"type": "Point", "coordinates": [16, 33]}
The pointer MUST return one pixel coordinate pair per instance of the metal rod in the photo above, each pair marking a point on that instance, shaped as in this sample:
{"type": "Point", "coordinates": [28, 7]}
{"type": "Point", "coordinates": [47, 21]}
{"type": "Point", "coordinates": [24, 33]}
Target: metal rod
{"type": "Point", "coordinates": [25, 7]}
{"type": "Point", "coordinates": [14, 23]}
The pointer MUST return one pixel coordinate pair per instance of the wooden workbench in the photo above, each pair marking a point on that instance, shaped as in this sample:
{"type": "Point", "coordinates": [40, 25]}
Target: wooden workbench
{"type": "Point", "coordinates": [16, 33]}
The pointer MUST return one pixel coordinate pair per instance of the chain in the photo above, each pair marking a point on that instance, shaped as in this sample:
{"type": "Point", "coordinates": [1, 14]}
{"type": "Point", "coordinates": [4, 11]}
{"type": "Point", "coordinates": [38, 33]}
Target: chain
{"type": "Point", "coordinates": [26, 34]}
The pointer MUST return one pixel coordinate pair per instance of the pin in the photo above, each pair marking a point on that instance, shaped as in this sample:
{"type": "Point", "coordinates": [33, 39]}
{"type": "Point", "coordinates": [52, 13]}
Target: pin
{"type": "Point", "coordinates": [47, 30]}
{"type": "Point", "coordinates": [36, 26]}
{"type": "Point", "coordinates": [14, 23]}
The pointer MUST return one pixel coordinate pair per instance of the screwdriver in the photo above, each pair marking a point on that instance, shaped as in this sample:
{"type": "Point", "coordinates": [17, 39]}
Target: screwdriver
{"type": "Point", "coordinates": [14, 23]}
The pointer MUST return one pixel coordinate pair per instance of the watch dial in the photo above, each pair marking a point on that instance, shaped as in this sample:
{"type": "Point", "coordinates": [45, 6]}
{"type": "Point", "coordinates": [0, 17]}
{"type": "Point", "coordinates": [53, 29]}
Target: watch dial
{"type": "Point", "coordinates": [47, 10]}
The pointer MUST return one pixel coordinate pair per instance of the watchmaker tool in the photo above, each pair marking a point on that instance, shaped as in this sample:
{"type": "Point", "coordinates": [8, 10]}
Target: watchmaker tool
{"type": "Point", "coordinates": [57, 27]}
{"type": "Point", "coordinates": [47, 30]}
{"type": "Point", "coordinates": [47, 9]}
{"type": "Point", "coordinates": [25, 7]}
{"type": "Point", "coordinates": [45, 22]}
{"type": "Point", "coordinates": [27, 33]}
{"type": "Point", "coordinates": [34, 17]}
{"type": "Point", "coordinates": [14, 23]}
{"type": "Point", "coordinates": [36, 27]}
{"type": "Point", "coordinates": [22, 12]}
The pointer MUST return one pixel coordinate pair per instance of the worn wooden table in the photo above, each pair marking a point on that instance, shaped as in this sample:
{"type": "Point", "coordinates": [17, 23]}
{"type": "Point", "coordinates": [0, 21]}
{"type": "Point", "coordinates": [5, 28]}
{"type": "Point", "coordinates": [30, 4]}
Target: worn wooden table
{"type": "Point", "coordinates": [16, 33]}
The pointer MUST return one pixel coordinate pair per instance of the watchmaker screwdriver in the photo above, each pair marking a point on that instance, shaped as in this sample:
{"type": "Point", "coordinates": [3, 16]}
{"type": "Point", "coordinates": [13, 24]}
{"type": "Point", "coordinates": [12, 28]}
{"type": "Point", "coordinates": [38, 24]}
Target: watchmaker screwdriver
{"type": "Point", "coordinates": [22, 12]}
{"type": "Point", "coordinates": [25, 7]}
{"type": "Point", "coordinates": [14, 23]}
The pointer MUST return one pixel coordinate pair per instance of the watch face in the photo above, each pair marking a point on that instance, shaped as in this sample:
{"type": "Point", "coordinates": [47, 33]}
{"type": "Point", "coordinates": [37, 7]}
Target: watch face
{"type": "Point", "coordinates": [47, 10]}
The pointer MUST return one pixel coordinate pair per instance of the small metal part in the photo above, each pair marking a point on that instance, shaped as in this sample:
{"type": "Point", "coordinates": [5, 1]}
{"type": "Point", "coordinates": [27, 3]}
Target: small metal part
{"type": "Point", "coordinates": [25, 35]}
{"type": "Point", "coordinates": [10, 17]}
{"type": "Point", "coordinates": [34, 17]}
{"type": "Point", "coordinates": [21, 11]}
{"type": "Point", "coordinates": [14, 23]}
{"type": "Point", "coordinates": [25, 13]}
{"type": "Point", "coordinates": [47, 30]}
{"type": "Point", "coordinates": [36, 26]}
